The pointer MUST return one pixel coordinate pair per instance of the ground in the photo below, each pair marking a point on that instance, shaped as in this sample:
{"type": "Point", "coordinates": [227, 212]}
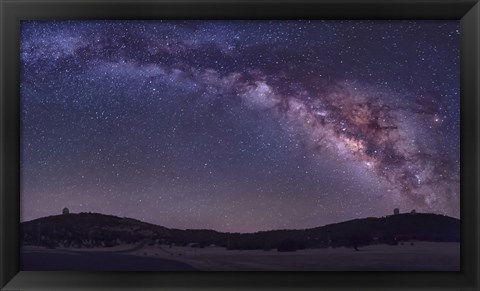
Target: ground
{"type": "Point", "coordinates": [421, 256]}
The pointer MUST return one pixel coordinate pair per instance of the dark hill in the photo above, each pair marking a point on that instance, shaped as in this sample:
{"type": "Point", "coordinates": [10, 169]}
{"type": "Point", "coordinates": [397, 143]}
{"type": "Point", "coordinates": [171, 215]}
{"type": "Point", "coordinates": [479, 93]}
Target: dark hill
{"type": "Point", "coordinates": [88, 230]}
{"type": "Point", "coordinates": [94, 230]}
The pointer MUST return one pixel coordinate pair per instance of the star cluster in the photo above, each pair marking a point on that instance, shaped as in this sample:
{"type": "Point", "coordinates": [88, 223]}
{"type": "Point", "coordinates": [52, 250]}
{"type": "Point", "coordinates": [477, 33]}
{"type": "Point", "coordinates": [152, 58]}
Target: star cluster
{"type": "Point", "coordinates": [240, 125]}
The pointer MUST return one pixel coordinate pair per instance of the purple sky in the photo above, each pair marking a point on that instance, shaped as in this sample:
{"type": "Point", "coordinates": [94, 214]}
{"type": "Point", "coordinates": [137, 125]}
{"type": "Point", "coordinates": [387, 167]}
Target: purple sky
{"type": "Point", "coordinates": [239, 125]}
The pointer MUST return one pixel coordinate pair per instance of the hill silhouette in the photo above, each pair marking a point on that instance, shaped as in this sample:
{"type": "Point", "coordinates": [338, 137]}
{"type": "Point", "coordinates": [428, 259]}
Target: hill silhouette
{"type": "Point", "coordinates": [87, 230]}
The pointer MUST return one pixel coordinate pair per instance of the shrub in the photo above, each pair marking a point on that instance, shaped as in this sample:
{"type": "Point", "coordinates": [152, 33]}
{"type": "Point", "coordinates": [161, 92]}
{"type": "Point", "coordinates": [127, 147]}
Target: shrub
{"type": "Point", "coordinates": [357, 240]}
{"type": "Point", "coordinates": [287, 245]}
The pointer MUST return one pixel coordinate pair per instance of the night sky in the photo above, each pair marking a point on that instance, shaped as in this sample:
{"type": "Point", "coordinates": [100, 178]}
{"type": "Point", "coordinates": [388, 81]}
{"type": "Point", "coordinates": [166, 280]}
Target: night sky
{"type": "Point", "coordinates": [240, 125]}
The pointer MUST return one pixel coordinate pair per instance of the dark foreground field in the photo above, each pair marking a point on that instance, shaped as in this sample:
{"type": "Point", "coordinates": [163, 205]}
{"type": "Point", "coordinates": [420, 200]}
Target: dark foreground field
{"type": "Point", "coordinates": [96, 261]}
{"type": "Point", "coordinates": [422, 256]}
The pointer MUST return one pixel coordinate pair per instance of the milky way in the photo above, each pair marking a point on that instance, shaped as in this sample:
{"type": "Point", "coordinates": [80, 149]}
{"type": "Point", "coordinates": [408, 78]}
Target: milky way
{"type": "Point", "coordinates": [240, 125]}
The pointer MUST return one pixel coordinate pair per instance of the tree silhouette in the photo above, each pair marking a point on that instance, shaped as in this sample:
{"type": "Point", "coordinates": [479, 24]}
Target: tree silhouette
{"type": "Point", "coordinates": [358, 239]}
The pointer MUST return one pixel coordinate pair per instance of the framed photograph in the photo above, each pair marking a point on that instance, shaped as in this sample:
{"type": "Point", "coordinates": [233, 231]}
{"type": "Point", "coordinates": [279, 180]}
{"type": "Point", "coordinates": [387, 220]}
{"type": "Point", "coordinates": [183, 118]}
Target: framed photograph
{"type": "Point", "coordinates": [239, 145]}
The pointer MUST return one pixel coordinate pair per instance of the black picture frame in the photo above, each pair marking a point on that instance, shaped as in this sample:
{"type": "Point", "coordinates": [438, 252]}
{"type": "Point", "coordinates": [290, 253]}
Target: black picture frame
{"type": "Point", "coordinates": [12, 11]}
